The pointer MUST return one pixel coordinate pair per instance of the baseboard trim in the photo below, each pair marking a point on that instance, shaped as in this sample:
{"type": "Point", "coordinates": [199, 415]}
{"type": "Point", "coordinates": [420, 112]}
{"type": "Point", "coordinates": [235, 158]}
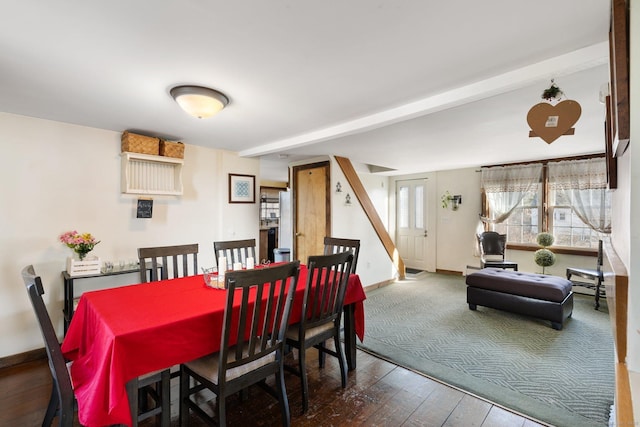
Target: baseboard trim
{"type": "Point", "coordinates": [379, 285]}
{"type": "Point", "coordinates": [18, 359]}
{"type": "Point", "coordinates": [451, 272]}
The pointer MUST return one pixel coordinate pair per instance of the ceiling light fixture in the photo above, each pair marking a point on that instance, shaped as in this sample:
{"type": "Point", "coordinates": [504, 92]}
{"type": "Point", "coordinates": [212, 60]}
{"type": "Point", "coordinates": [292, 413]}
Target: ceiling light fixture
{"type": "Point", "coordinates": [199, 101]}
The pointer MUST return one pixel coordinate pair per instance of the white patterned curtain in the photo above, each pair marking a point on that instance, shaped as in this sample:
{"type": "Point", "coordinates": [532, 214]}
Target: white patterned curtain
{"type": "Point", "coordinates": [584, 182]}
{"type": "Point", "coordinates": [505, 187]}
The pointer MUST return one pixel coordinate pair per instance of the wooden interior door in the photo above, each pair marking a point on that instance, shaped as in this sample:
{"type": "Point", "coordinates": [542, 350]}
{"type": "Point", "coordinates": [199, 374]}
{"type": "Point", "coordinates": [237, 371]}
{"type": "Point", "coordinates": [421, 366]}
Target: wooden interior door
{"type": "Point", "coordinates": [311, 209]}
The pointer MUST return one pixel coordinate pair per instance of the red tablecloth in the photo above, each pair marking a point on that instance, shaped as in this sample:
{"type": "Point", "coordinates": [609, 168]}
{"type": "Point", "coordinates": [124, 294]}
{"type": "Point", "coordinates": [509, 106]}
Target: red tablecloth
{"type": "Point", "coordinates": [118, 334]}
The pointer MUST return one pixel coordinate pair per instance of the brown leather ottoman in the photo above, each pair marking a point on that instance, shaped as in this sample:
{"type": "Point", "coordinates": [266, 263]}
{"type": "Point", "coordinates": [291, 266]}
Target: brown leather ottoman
{"type": "Point", "coordinates": [537, 295]}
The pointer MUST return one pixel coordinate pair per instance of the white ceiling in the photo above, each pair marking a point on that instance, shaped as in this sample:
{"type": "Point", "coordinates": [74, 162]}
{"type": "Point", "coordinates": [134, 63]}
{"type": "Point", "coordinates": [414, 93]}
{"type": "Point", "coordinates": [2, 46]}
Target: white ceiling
{"type": "Point", "coordinates": [411, 85]}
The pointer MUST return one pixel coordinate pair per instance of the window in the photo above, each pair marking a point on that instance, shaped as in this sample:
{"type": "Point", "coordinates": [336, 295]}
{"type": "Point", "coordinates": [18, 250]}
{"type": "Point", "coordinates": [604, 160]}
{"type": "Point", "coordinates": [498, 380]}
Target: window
{"type": "Point", "coordinates": [523, 225]}
{"type": "Point", "coordinates": [566, 226]}
{"type": "Point", "coordinates": [574, 192]}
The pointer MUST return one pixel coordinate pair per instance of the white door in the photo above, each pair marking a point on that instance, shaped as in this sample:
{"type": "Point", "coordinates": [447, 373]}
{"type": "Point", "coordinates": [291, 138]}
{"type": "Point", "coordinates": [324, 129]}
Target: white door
{"type": "Point", "coordinates": [412, 234]}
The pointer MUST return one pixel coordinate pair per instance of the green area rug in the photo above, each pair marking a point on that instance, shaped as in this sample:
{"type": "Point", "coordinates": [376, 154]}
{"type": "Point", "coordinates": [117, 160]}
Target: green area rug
{"type": "Point", "coordinates": [564, 378]}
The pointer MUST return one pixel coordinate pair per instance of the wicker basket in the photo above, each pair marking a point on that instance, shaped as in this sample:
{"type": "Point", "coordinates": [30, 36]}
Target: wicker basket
{"type": "Point", "coordinates": [172, 149]}
{"type": "Point", "coordinates": [135, 143]}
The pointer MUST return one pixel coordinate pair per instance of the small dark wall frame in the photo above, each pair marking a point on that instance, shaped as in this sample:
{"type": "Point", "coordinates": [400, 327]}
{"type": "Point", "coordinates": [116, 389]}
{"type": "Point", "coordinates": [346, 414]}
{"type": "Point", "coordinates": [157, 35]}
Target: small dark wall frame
{"type": "Point", "coordinates": [145, 208]}
{"type": "Point", "coordinates": [242, 188]}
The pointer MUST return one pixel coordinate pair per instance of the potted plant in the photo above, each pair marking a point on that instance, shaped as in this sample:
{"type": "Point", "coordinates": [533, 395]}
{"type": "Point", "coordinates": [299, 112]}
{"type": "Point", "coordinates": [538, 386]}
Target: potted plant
{"type": "Point", "coordinates": [448, 198]}
{"type": "Point", "coordinates": [81, 244]}
{"type": "Point", "coordinates": [544, 257]}
{"type": "Point", "coordinates": [553, 93]}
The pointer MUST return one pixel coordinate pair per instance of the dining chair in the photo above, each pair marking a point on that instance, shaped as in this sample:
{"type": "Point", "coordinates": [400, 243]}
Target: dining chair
{"type": "Point", "coordinates": [251, 345]}
{"type": "Point", "coordinates": [168, 259]}
{"type": "Point", "coordinates": [62, 402]}
{"type": "Point", "coordinates": [323, 302]}
{"type": "Point", "coordinates": [235, 251]}
{"type": "Point", "coordinates": [334, 245]}
{"type": "Point", "coordinates": [596, 275]}
{"type": "Point", "coordinates": [492, 250]}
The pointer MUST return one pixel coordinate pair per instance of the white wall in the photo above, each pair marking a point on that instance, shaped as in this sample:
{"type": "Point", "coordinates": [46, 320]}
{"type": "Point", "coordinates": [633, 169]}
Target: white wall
{"type": "Point", "coordinates": [457, 229]}
{"type": "Point", "coordinates": [350, 221]}
{"type": "Point", "coordinates": [58, 177]}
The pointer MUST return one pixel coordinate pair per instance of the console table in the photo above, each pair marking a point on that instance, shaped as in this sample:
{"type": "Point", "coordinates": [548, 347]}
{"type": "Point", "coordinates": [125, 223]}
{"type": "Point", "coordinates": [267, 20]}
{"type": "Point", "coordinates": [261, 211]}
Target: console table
{"type": "Point", "coordinates": [69, 295]}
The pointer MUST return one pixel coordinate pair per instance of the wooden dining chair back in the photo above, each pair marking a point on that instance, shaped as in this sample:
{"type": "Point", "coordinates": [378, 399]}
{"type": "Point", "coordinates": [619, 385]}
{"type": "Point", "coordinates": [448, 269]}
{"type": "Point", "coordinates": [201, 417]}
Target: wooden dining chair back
{"type": "Point", "coordinates": [171, 261]}
{"type": "Point", "coordinates": [235, 251]}
{"type": "Point", "coordinates": [323, 302]}
{"type": "Point", "coordinates": [258, 303]}
{"type": "Point", "coordinates": [595, 275]}
{"type": "Point", "coordinates": [334, 245]}
{"type": "Point", "coordinates": [62, 402]}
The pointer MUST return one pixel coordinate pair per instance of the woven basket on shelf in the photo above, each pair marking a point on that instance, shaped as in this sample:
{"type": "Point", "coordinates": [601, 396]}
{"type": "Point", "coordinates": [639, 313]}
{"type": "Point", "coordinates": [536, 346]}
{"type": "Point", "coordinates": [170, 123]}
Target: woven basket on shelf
{"type": "Point", "coordinates": [135, 143]}
{"type": "Point", "coordinates": [172, 149]}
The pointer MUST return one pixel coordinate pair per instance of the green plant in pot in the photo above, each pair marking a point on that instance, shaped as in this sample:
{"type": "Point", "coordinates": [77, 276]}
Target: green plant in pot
{"type": "Point", "coordinates": [544, 257]}
{"type": "Point", "coordinates": [448, 198]}
{"type": "Point", "coordinates": [553, 93]}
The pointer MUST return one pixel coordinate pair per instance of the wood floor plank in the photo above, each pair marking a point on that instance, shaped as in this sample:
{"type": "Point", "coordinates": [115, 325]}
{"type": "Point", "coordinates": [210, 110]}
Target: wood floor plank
{"type": "Point", "coordinates": [498, 417]}
{"type": "Point", "coordinates": [436, 408]}
{"type": "Point", "coordinates": [470, 412]}
{"type": "Point", "coordinates": [395, 411]}
{"type": "Point", "coordinates": [378, 393]}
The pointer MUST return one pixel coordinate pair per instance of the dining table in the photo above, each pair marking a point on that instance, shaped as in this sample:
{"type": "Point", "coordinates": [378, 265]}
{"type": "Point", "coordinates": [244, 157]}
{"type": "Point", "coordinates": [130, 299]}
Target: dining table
{"type": "Point", "coordinates": [118, 334]}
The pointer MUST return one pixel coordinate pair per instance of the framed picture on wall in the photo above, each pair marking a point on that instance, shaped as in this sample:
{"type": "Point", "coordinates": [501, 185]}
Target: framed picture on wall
{"type": "Point", "coordinates": [242, 188]}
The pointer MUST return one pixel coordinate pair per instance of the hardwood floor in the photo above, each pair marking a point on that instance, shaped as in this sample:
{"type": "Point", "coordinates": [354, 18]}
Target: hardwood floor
{"type": "Point", "coordinates": [378, 393]}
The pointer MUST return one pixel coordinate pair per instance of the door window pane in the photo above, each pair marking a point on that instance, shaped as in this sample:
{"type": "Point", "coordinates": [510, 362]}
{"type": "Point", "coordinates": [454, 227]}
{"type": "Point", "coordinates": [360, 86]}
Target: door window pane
{"type": "Point", "coordinates": [403, 207]}
{"type": "Point", "coordinates": [419, 208]}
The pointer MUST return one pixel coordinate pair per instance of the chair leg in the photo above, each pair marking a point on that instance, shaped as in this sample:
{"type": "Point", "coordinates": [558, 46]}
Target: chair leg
{"type": "Point", "coordinates": [132, 392]}
{"type": "Point", "coordinates": [222, 411]}
{"type": "Point", "coordinates": [321, 355]}
{"type": "Point", "coordinates": [184, 396]}
{"type": "Point", "coordinates": [282, 398]}
{"type": "Point", "coordinates": [52, 408]}
{"type": "Point", "coordinates": [341, 359]}
{"type": "Point", "coordinates": [165, 397]}
{"type": "Point", "coordinates": [597, 304]}
{"type": "Point", "coordinates": [303, 378]}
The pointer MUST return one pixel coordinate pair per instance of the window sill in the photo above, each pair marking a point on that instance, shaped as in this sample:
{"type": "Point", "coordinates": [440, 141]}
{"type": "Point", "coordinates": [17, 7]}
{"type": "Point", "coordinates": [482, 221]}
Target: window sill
{"type": "Point", "coordinates": [555, 249]}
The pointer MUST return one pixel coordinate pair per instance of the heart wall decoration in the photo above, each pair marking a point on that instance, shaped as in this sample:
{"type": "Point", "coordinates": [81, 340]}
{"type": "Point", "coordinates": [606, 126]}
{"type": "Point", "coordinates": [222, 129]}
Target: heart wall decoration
{"type": "Point", "coordinates": [549, 122]}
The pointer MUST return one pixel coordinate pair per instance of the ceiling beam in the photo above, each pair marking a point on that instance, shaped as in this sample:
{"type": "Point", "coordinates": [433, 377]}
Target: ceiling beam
{"type": "Point", "coordinates": [569, 63]}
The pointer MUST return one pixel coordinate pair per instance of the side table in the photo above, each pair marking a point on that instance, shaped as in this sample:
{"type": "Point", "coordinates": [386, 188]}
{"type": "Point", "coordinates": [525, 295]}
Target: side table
{"type": "Point", "coordinates": [69, 296]}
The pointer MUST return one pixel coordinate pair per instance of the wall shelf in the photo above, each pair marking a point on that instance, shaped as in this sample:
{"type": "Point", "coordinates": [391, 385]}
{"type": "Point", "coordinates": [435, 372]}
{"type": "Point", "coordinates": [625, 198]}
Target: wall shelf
{"type": "Point", "coordinates": [148, 174]}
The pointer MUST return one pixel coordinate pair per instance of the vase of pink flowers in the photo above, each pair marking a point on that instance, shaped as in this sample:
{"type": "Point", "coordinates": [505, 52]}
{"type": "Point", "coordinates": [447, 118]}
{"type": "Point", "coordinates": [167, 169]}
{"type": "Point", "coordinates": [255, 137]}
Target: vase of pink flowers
{"type": "Point", "coordinates": [81, 244]}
